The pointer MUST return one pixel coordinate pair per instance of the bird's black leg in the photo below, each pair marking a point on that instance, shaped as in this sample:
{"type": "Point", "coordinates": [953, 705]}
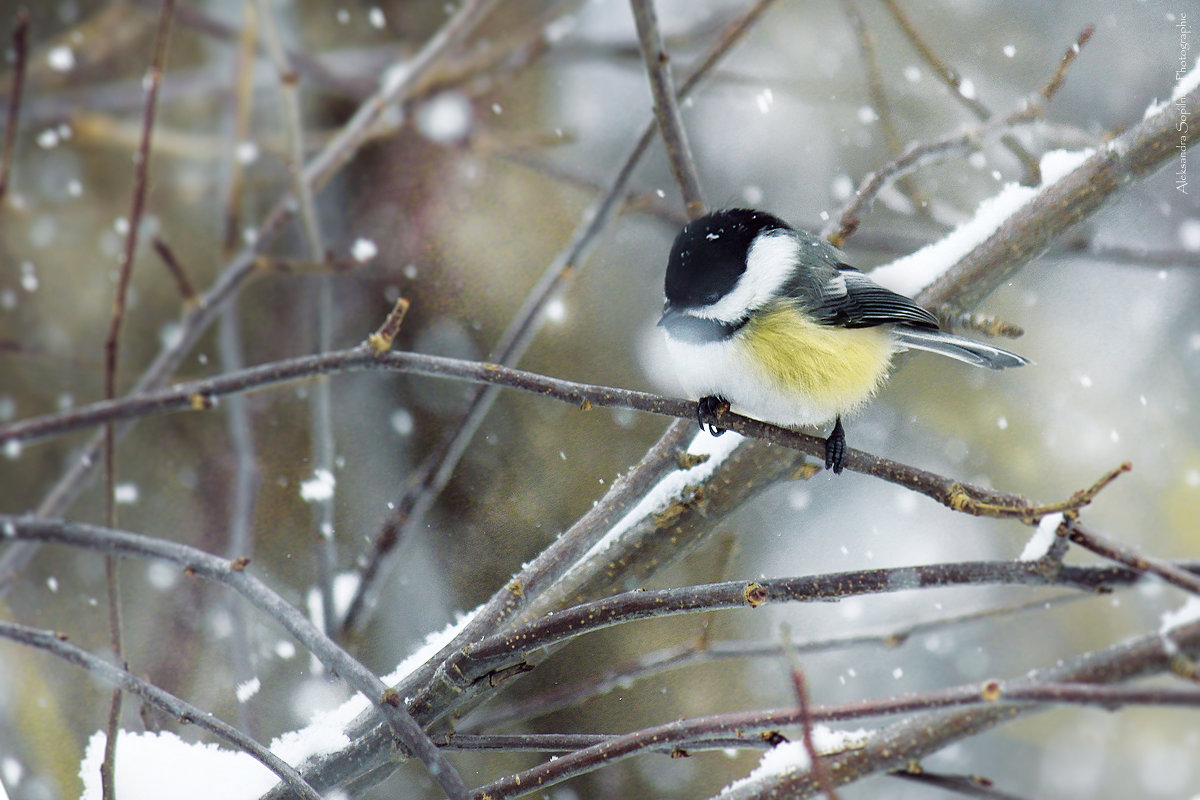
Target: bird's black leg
{"type": "Point", "coordinates": [835, 448]}
{"type": "Point", "coordinates": [706, 413]}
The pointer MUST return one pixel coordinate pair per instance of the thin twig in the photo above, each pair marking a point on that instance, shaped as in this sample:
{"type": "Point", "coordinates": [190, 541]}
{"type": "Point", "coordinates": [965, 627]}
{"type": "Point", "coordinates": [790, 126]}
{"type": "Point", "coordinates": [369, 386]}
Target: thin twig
{"type": "Point", "coordinates": [551, 700]}
{"type": "Point", "coordinates": [986, 324]}
{"type": "Point", "coordinates": [246, 479]}
{"type": "Point", "coordinates": [313, 70]}
{"type": "Point", "coordinates": [961, 785]}
{"type": "Point", "coordinates": [176, 269]}
{"type": "Point", "coordinates": [666, 106]}
{"type": "Point", "coordinates": [500, 651]}
{"type": "Point", "coordinates": [880, 104]}
{"type": "Point", "coordinates": [381, 340]}
{"type": "Point", "coordinates": [1064, 64]}
{"type": "Point", "coordinates": [56, 644]}
{"type": "Point", "coordinates": [896, 745]}
{"type": "Point", "coordinates": [952, 79]}
{"type": "Point", "coordinates": [915, 156]}
{"type": "Point", "coordinates": [320, 398]}
{"type": "Point", "coordinates": [1123, 554]}
{"type": "Point", "coordinates": [566, 742]}
{"type": "Point", "coordinates": [20, 43]}
{"type": "Point", "coordinates": [293, 125]}
{"type": "Point", "coordinates": [1056, 208]}
{"type": "Point", "coordinates": [920, 154]}
{"type": "Point", "coordinates": [800, 687]}
{"type": "Point", "coordinates": [1006, 698]}
{"type": "Point", "coordinates": [137, 209]}
{"type": "Point", "coordinates": [246, 476]}
{"type": "Point", "coordinates": [111, 366]}
{"type": "Point", "coordinates": [240, 104]}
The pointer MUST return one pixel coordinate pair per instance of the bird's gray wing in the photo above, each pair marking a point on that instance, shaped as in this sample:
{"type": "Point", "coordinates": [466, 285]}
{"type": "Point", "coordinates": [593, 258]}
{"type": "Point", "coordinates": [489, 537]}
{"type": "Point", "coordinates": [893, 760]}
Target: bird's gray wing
{"type": "Point", "coordinates": [848, 298]}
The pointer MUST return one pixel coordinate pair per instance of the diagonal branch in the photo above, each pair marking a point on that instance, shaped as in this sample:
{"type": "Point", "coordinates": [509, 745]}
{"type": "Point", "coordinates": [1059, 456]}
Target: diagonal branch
{"type": "Point", "coordinates": [666, 106]}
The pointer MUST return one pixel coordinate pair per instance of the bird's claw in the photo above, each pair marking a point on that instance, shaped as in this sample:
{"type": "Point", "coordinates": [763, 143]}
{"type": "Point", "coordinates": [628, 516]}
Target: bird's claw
{"type": "Point", "coordinates": [707, 411]}
{"type": "Point", "coordinates": [835, 448]}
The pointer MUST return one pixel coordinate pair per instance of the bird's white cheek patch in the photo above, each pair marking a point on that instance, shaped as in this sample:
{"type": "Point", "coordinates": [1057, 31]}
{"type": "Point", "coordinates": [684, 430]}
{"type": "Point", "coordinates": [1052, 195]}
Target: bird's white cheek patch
{"type": "Point", "coordinates": [769, 263]}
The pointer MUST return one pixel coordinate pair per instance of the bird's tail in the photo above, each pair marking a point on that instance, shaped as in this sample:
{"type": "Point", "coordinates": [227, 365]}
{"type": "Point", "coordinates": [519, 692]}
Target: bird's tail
{"type": "Point", "coordinates": [947, 344]}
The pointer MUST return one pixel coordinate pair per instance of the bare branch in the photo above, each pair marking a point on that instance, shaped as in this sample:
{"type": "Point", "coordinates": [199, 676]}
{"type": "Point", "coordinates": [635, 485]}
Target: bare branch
{"type": "Point", "coordinates": [20, 40]}
{"type": "Point", "coordinates": [501, 651]}
{"type": "Point", "coordinates": [176, 269]}
{"type": "Point", "coordinates": [559, 697]}
{"type": "Point", "coordinates": [880, 104]}
{"type": "Point", "coordinates": [666, 107]}
{"type": "Point", "coordinates": [200, 395]}
{"type": "Point", "coordinates": [894, 746]}
{"type": "Point", "coordinates": [111, 367]}
{"type": "Point", "coordinates": [1123, 554]}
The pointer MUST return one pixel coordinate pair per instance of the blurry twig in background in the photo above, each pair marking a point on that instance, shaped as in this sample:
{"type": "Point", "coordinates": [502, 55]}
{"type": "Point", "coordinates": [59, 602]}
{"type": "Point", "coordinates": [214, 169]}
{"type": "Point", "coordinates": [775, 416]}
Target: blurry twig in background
{"type": "Point", "coordinates": [972, 706]}
{"type": "Point", "coordinates": [246, 479]}
{"type": "Point", "coordinates": [918, 154]}
{"type": "Point", "coordinates": [237, 110]}
{"type": "Point", "coordinates": [322, 316]}
{"type": "Point", "coordinates": [897, 745]}
{"type": "Point", "coordinates": [666, 106]}
{"type": "Point", "coordinates": [178, 273]}
{"type": "Point", "coordinates": [1134, 154]}
{"type": "Point", "coordinates": [881, 106]}
{"type": "Point", "coordinates": [962, 785]}
{"type": "Point", "coordinates": [800, 687]}
{"type": "Point", "coordinates": [112, 344]}
{"type": "Point", "coordinates": [950, 76]}
{"type": "Point", "coordinates": [661, 661]}
{"type": "Point", "coordinates": [20, 44]}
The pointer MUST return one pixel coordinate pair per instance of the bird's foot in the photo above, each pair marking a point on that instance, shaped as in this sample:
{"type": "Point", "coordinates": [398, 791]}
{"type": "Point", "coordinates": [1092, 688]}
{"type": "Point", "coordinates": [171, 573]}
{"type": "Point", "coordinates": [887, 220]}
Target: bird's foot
{"type": "Point", "coordinates": [835, 448]}
{"type": "Point", "coordinates": [707, 411]}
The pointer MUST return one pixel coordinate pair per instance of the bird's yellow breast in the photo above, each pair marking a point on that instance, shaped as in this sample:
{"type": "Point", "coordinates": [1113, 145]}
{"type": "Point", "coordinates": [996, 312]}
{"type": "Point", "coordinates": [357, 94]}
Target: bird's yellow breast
{"type": "Point", "coordinates": [838, 368]}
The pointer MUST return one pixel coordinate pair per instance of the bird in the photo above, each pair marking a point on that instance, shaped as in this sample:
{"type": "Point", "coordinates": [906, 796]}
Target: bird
{"type": "Point", "coordinates": [770, 320]}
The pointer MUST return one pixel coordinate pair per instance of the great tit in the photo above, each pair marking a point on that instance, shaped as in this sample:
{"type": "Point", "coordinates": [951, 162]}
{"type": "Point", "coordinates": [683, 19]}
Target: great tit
{"type": "Point", "coordinates": [769, 319]}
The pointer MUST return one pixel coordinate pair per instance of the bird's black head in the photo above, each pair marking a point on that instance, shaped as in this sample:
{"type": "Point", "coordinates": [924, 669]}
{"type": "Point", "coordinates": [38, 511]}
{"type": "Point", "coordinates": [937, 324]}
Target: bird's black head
{"type": "Point", "coordinates": [709, 255]}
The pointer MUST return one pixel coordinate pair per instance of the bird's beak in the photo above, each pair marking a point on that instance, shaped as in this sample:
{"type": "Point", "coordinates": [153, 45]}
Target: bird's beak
{"type": "Point", "coordinates": [667, 315]}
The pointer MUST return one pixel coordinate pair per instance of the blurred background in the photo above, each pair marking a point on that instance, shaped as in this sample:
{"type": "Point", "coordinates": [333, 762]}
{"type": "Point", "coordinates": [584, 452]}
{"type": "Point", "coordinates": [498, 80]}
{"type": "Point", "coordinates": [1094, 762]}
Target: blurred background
{"type": "Point", "coordinates": [459, 206]}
